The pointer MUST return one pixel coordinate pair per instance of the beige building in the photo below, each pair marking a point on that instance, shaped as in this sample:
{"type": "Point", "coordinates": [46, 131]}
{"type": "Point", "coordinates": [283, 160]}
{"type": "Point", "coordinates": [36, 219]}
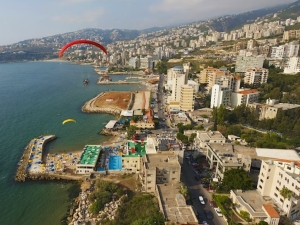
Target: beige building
{"type": "Point", "coordinates": [214, 77]}
{"type": "Point", "coordinates": [206, 73]}
{"type": "Point", "coordinates": [203, 138]}
{"type": "Point", "coordinates": [290, 34]}
{"type": "Point", "coordinates": [173, 205]}
{"type": "Point", "coordinates": [271, 108]}
{"type": "Point", "coordinates": [259, 208]}
{"type": "Point", "coordinates": [159, 168]}
{"type": "Point", "coordinates": [131, 163]}
{"type": "Point", "coordinates": [256, 76]}
{"type": "Point", "coordinates": [277, 174]}
{"type": "Point", "coordinates": [187, 98]}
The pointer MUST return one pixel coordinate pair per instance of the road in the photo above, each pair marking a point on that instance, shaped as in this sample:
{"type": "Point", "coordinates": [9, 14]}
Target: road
{"type": "Point", "coordinates": [196, 189]}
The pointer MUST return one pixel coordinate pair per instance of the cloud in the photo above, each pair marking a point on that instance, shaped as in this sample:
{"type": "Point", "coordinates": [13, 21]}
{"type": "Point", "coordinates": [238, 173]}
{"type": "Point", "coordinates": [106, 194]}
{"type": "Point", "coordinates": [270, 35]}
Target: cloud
{"type": "Point", "coordinates": [89, 16]}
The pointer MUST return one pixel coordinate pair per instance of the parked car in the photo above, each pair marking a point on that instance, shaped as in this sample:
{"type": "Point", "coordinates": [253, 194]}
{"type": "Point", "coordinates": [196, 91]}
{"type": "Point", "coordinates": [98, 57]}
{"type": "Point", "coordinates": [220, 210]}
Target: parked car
{"type": "Point", "coordinates": [201, 199]}
{"type": "Point", "coordinates": [208, 214]}
{"type": "Point", "coordinates": [218, 211]}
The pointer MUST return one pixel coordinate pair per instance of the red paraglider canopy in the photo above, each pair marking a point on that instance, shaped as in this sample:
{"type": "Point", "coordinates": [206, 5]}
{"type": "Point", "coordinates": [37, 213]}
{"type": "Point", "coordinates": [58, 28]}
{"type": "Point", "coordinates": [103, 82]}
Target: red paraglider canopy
{"type": "Point", "coordinates": [81, 42]}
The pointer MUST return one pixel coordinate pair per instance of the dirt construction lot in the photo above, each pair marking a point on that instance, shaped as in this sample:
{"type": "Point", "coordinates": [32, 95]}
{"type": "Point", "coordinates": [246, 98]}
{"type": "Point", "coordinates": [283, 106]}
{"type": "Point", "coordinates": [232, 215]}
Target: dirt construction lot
{"type": "Point", "coordinates": [119, 99]}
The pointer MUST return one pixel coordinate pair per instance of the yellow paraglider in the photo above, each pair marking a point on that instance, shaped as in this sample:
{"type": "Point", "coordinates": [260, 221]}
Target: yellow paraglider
{"type": "Point", "coordinates": [68, 120]}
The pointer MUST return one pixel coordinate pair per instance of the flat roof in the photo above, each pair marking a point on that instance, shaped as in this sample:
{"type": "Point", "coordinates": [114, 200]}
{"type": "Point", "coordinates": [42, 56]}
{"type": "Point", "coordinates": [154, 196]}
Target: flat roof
{"type": "Point", "coordinates": [111, 124]}
{"type": "Point", "coordinates": [127, 113]}
{"type": "Point", "coordinates": [253, 202]}
{"type": "Point", "coordinates": [288, 154]}
{"type": "Point", "coordinates": [89, 155]}
{"type": "Point", "coordinates": [162, 159]}
{"type": "Point", "coordinates": [271, 211]}
{"type": "Point", "coordinates": [138, 112]}
{"type": "Point", "coordinates": [174, 204]}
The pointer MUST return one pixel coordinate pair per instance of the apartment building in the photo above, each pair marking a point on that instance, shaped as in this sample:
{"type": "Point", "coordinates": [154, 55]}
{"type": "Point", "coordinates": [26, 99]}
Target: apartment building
{"type": "Point", "coordinates": [291, 34]}
{"type": "Point", "coordinates": [206, 73]}
{"type": "Point", "coordinates": [270, 109]}
{"type": "Point", "coordinates": [220, 96]}
{"type": "Point", "coordinates": [213, 77]}
{"type": "Point", "coordinates": [159, 168]}
{"type": "Point", "coordinates": [222, 157]}
{"type": "Point", "coordinates": [244, 97]}
{"type": "Point", "coordinates": [276, 175]}
{"type": "Point", "coordinates": [292, 66]}
{"type": "Point", "coordinates": [285, 51]}
{"type": "Point", "coordinates": [187, 98]}
{"type": "Point", "coordinates": [245, 62]}
{"type": "Point", "coordinates": [179, 78]}
{"type": "Point", "coordinates": [203, 138]}
{"type": "Point", "coordinates": [256, 76]}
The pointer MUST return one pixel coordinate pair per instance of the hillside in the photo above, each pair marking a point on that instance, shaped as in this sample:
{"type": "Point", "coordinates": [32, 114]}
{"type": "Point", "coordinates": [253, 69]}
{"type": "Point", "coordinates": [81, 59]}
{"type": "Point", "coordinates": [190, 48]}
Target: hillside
{"type": "Point", "coordinates": [227, 23]}
{"type": "Point", "coordinates": [291, 11]}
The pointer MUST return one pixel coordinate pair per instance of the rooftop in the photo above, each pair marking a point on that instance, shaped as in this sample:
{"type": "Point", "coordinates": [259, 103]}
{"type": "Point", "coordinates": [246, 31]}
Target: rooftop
{"type": "Point", "coordinates": [246, 92]}
{"type": "Point", "coordinates": [253, 202]}
{"type": "Point", "coordinates": [89, 155]}
{"type": "Point", "coordinates": [288, 154]}
{"type": "Point", "coordinates": [162, 159]}
{"type": "Point", "coordinates": [174, 205]}
{"type": "Point", "coordinates": [111, 124]}
{"type": "Point", "coordinates": [271, 211]}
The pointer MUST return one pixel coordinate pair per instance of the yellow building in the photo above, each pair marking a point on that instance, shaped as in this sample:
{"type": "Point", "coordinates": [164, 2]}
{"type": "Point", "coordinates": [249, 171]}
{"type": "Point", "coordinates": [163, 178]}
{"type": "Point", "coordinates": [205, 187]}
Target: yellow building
{"type": "Point", "coordinates": [187, 98]}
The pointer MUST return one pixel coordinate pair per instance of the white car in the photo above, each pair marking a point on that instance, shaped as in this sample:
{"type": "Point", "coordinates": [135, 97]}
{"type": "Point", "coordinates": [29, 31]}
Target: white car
{"type": "Point", "coordinates": [218, 211]}
{"type": "Point", "coordinates": [204, 222]}
{"type": "Point", "coordinates": [201, 199]}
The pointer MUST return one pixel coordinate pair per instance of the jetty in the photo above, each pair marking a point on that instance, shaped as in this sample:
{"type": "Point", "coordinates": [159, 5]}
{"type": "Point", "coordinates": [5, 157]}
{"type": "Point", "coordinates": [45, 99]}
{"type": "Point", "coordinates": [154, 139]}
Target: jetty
{"type": "Point", "coordinates": [118, 82]}
{"type": "Point", "coordinates": [32, 165]}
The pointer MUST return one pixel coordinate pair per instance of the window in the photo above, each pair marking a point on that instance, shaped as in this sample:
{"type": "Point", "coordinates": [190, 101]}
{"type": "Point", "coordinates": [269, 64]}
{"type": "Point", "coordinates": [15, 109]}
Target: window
{"type": "Point", "coordinates": [261, 180]}
{"type": "Point", "coordinates": [269, 170]}
{"type": "Point", "coordinates": [276, 195]}
{"type": "Point", "coordinates": [277, 188]}
{"type": "Point", "coordinates": [281, 200]}
{"type": "Point", "coordinates": [260, 186]}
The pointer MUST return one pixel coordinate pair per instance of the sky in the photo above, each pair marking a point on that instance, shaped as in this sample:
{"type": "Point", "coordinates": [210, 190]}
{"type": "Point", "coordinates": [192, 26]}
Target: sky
{"type": "Point", "coordinates": [22, 20]}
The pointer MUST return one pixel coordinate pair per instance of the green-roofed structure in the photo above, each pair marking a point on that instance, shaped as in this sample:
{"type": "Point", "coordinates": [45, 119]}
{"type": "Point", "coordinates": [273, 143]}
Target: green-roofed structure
{"type": "Point", "coordinates": [136, 148]}
{"type": "Point", "coordinates": [88, 159]}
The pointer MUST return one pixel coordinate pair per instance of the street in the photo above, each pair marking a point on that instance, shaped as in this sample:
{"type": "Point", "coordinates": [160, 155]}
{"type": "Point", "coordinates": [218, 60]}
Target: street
{"type": "Point", "coordinates": [196, 189]}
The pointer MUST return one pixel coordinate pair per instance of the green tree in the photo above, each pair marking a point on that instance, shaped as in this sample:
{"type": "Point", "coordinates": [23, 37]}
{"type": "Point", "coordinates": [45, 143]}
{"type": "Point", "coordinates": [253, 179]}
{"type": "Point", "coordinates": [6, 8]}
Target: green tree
{"type": "Point", "coordinates": [286, 193]}
{"type": "Point", "coordinates": [184, 190]}
{"type": "Point", "coordinates": [192, 137]}
{"type": "Point", "coordinates": [262, 223]}
{"type": "Point", "coordinates": [131, 131]}
{"type": "Point", "coordinates": [245, 215]}
{"type": "Point", "coordinates": [237, 179]}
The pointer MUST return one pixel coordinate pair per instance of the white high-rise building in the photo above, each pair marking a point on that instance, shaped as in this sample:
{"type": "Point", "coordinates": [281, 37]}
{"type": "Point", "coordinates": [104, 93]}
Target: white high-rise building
{"type": "Point", "coordinates": [292, 66]}
{"type": "Point", "coordinates": [179, 78]}
{"type": "Point", "coordinates": [276, 175]}
{"type": "Point", "coordinates": [220, 96]}
{"type": "Point", "coordinates": [285, 51]}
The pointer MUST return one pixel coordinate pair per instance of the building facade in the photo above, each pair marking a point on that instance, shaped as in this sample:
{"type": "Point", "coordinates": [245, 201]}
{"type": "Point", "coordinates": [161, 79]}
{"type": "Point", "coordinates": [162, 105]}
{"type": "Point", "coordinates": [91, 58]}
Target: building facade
{"type": "Point", "coordinates": [256, 76]}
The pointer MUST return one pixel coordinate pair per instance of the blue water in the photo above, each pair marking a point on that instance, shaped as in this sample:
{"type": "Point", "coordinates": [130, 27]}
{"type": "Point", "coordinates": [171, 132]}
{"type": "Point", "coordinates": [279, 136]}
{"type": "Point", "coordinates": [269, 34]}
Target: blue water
{"type": "Point", "coordinates": [35, 98]}
{"type": "Point", "coordinates": [115, 162]}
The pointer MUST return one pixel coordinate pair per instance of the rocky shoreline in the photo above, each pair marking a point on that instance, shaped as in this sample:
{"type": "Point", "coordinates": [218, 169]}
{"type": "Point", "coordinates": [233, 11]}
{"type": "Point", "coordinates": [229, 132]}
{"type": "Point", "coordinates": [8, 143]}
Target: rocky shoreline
{"type": "Point", "coordinates": [80, 214]}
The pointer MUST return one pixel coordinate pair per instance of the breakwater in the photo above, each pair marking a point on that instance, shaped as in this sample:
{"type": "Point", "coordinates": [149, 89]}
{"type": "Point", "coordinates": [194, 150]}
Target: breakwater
{"type": "Point", "coordinates": [22, 171]}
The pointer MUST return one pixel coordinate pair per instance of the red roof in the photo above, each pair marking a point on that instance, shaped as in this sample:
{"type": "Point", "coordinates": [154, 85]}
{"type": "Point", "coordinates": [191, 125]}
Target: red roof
{"type": "Point", "coordinates": [271, 211]}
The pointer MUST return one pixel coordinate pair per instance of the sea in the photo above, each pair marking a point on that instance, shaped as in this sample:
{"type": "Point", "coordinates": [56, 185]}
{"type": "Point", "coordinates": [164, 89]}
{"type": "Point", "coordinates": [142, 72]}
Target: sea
{"type": "Point", "coordinates": [35, 97]}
